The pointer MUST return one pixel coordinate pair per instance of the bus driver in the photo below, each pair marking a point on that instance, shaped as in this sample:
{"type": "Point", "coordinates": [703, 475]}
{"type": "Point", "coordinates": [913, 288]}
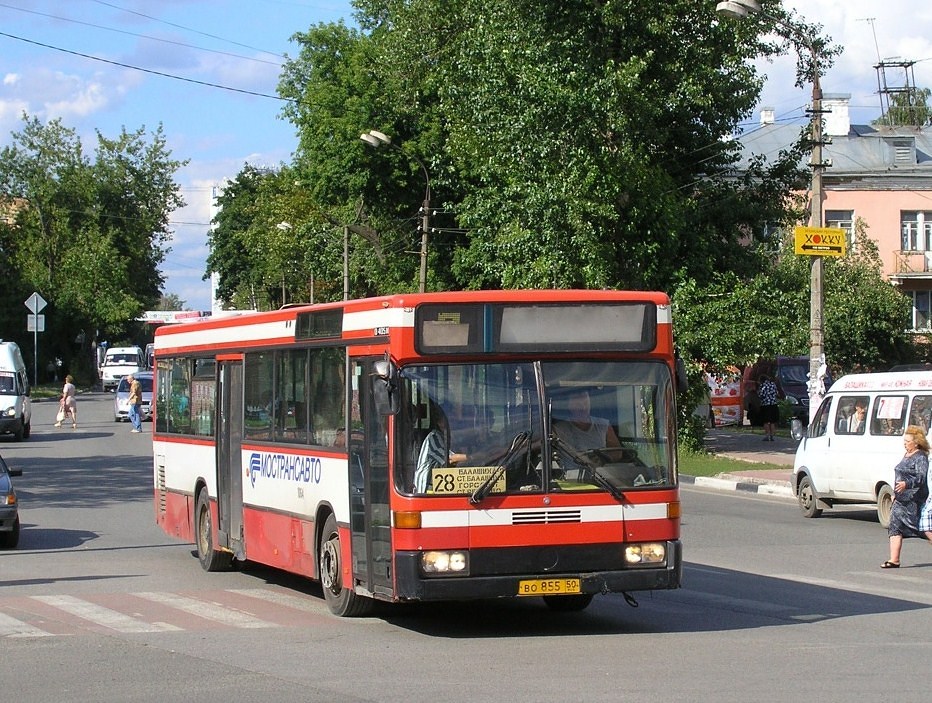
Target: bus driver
{"type": "Point", "coordinates": [581, 431]}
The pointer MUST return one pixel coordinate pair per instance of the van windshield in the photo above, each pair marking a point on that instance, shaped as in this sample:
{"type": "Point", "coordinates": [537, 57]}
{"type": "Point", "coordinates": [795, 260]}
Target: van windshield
{"type": "Point", "coordinates": [7, 384]}
{"type": "Point", "coordinates": [121, 359]}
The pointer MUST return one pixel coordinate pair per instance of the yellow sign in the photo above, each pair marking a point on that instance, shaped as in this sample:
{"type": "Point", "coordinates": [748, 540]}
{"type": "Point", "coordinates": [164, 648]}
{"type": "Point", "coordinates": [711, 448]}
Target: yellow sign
{"type": "Point", "coordinates": [820, 241]}
{"type": "Point", "coordinates": [463, 479]}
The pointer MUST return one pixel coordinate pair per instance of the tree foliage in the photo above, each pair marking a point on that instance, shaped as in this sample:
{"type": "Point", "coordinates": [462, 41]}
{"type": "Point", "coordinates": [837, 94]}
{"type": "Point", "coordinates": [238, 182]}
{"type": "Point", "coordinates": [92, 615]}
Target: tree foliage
{"type": "Point", "coordinates": [87, 234]}
{"type": "Point", "coordinates": [733, 321]}
{"type": "Point", "coordinates": [565, 144]}
{"type": "Point", "coordinates": [908, 108]}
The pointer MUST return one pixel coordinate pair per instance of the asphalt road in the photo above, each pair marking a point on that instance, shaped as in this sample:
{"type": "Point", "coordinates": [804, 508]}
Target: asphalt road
{"type": "Point", "coordinates": [99, 605]}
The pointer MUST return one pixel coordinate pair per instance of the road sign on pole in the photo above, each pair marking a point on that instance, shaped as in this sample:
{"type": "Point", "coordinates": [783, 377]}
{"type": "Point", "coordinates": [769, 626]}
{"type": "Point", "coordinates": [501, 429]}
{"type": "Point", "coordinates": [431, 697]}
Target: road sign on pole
{"type": "Point", "coordinates": [820, 241]}
{"type": "Point", "coordinates": [35, 323]}
{"type": "Point", "coordinates": [36, 304]}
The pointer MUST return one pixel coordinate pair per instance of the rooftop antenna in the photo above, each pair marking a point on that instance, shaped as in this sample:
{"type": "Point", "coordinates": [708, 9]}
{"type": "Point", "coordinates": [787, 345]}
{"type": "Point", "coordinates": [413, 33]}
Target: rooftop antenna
{"type": "Point", "coordinates": [874, 30]}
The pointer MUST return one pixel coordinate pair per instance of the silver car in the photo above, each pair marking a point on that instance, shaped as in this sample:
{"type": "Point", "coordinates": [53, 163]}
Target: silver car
{"type": "Point", "coordinates": [9, 512]}
{"type": "Point", "coordinates": [121, 397]}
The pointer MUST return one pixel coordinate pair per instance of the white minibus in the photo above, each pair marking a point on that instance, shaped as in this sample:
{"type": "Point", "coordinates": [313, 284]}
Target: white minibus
{"type": "Point", "coordinates": [855, 440]}
{"type": "Point", "coordinates": [15, 403]}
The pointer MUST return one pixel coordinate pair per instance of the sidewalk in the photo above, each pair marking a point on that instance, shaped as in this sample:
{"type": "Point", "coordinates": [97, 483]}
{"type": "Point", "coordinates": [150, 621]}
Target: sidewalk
{"type": "Point", "coordinates": [747, 444]}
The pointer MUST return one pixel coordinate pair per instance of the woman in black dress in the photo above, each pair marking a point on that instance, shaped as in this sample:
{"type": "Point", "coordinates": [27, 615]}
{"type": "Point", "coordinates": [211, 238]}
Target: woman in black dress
{"type": "Point", "coordinates": [909, 487]}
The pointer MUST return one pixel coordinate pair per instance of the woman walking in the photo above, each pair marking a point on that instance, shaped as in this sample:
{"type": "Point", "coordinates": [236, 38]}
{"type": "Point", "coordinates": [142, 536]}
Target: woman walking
{"type": "Point", "coordinates": [909, 488]}
{"type": "Point", "coordinates": [68, 404]}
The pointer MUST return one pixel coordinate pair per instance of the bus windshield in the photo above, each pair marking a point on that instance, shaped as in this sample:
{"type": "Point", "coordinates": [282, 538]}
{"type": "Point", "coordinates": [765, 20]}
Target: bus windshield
{"type": "Point", "coordinates": [484, 430]}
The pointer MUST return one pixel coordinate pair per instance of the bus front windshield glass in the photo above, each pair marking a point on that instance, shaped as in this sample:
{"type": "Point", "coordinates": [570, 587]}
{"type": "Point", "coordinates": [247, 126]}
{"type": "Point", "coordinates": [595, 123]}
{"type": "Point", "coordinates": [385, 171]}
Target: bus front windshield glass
{"type": "Point", "coordinates": [483, 430]}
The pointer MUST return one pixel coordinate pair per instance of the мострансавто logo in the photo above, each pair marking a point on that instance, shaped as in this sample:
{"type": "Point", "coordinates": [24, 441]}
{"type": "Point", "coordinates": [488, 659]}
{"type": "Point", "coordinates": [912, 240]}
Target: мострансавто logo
{"type": "Point", "coordinates": [283, 467]}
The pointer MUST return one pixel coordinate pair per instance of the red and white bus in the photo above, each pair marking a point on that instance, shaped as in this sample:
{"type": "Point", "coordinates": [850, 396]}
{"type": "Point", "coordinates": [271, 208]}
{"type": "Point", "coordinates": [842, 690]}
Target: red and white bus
{"type": "Point", "coordinates": [425, 447]}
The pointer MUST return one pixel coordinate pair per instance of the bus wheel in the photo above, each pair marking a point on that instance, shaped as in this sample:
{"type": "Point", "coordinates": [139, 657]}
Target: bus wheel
{"type": "Point", "coordinates": [884, 505]}
{"type": "Point", "coordinates": [806, 497]}
{"type": "Point", "coordinates": [342, 602]}
{"type": "Point", "coordinates": [568, 604]}
{"type": "Point", "coordinates": [210, 558]}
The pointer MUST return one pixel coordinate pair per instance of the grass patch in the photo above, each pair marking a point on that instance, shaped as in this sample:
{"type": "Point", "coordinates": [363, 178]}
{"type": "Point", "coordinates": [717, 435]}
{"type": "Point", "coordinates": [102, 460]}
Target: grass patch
{"type": "Point", "coordinates": [698, 464]}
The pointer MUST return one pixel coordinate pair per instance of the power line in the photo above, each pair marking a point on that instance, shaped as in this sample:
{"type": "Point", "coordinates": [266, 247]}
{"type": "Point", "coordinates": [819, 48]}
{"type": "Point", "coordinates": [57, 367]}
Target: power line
{"type": "Point", "coordinates": [149, 70]}
{"type": "Point", "coordinates": [146, 36]}
{"type": "Point", "coordinates": [180, 26]}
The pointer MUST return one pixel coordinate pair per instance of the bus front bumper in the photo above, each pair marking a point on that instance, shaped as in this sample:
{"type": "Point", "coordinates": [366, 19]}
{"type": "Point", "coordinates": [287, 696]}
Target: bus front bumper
{"type": "Point", "coordinates": [412, 585]}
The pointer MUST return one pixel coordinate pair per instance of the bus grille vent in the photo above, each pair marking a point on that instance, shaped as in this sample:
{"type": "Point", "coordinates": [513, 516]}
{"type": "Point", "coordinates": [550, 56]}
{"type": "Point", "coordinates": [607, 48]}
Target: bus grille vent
{"type": "Point", "coordinates": [161, 488]}
{"type": "Point", "coordinates": [544, 517]}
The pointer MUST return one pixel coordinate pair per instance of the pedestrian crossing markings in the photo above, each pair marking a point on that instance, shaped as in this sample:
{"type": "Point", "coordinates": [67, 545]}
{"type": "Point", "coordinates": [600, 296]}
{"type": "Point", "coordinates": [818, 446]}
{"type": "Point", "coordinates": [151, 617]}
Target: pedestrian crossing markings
{"type": "Point", "coordinates": [154, 612]}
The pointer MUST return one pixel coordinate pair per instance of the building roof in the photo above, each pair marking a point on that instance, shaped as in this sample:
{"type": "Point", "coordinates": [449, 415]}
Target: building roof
{"type": "Point", "coordinates": [871, 157]}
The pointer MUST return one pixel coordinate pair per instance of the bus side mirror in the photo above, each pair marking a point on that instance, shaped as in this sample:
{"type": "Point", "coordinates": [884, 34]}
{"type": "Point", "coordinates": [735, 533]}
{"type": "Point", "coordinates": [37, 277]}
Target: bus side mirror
{"type": "Point", "coordinates": [384, 388]}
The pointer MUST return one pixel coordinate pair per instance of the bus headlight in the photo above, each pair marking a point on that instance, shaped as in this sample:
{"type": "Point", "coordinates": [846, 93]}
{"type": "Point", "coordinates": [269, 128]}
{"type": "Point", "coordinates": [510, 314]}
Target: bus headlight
{"type": "Point", "coordinates": [439, 563]}
{"type": "Point", "coordinates": [644, 554]}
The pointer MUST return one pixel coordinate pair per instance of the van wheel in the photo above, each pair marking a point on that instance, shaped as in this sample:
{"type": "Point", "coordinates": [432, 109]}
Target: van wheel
{"type": "Point", "coordinates": [806, 496]}
{"type": "Point", "coordinates": [340, 597]}
{"type": "Point", "coordinates": [884, 505]}
{"type": "Point", "coordinates": [210, 558]}
{"type": "Point", "coordinates": [27, 430]}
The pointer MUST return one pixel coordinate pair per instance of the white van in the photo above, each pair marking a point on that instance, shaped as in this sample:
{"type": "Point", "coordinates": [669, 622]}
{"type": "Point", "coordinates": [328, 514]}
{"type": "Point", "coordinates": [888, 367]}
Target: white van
{"type": "Point", "coordinates": [120, 362]}
{"type": "Point", "coordinates": [844, 460]}
{"type": "Point", "coordinates": [15, 405]}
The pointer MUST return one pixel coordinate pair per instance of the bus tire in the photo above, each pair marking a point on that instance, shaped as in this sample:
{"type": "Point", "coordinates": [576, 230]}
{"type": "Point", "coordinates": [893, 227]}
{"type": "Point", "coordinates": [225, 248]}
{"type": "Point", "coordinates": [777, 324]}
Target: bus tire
{"type": "Point", "coordinates": [884, 505]}
{"type": "Point", "coordinates": [806, 497]}
{"type": "Point", "coordinates": [210, 558]}
{"type": "Point", "coordinates": [568, 604]}
{"type": "Point", "coordinates": [343, 602]}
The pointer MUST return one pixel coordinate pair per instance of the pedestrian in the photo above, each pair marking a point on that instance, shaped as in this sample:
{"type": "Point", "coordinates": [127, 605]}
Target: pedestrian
{"type": "Point", "coordinates": [135, 402]}
{"type": "Point", "coordinates": [769, 410]}
{"type": "Point", "coordinates": [910, 491]}
{"type": "Point", "coordinates": [68, 406]}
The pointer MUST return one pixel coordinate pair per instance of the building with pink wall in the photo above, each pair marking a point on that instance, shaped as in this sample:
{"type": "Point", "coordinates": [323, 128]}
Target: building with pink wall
{"type": "Point", "coordinates": [881, 176]}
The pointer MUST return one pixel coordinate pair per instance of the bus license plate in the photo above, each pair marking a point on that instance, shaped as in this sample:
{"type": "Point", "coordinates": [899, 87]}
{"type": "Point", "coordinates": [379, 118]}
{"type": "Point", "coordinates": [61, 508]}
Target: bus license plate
{"type": "Point", "coordinates": [548, 587]}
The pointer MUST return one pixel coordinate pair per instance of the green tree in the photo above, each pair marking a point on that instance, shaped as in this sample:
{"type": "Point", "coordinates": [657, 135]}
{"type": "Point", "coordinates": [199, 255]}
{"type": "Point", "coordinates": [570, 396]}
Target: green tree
{"type": "Point", "coordinates": [87, 235]}
{"type": "Point", "coordinates": [567, 144]}
{"type": "Point", "coordinates": [909, 108]}
{"type": "Point", "coordinates": [732, 321]}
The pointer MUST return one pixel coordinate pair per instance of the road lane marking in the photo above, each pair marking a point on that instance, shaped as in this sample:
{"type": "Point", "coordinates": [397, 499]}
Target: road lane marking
{"type": "Point", "coordinates": [11, 627]}
{"type": "Point", "coordinates": [105, 617]}
{"type": "Point", "coordinates": [206, 609]}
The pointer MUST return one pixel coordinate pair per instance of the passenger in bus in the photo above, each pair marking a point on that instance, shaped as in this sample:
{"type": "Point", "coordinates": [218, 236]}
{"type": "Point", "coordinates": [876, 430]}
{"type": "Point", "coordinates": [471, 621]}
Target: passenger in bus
{"type": "Point", "coordinates": [435, 450]}
{"type": "Point", "coordinates": [921, 413]}
{"type": "Point", "coordinates": [580, 430]}
{"type": "Point", "coordinates": [856, 421]}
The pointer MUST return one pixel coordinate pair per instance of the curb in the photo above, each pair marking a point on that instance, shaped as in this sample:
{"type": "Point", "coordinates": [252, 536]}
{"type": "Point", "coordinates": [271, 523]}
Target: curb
{"type": "Point", "coordinates": [780, 489]}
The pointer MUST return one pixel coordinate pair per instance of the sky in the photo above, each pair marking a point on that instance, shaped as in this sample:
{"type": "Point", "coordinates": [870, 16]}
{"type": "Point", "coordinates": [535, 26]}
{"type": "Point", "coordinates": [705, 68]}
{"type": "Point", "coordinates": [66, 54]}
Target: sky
{"type": "Point", "coordinates": [207, 71]}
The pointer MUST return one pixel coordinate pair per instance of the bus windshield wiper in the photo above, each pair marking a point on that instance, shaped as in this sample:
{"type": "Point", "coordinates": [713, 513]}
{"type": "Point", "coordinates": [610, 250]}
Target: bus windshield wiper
{"type": "Point", "coordinates": [482, 491]}
{"type": "Point", "coordinates": [583, 460]}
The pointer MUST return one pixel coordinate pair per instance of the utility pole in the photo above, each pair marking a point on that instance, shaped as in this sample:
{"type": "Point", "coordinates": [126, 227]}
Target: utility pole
{"type": "Point", "coordinates": [425, 229]}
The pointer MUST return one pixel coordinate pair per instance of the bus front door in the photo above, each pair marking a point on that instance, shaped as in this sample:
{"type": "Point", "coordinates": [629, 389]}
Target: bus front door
{"type": "Point", "coordinates": [369, 485]}
{"type": "Point", "coordinates": [229, 456]}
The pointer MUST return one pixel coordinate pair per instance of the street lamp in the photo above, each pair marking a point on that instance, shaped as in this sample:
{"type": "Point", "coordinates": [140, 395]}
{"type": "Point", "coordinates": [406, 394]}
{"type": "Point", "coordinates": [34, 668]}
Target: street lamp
{"type": "Point", "coordinates": [377, 139]}
{"type": "Point", "coordinates": [741, 8]}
